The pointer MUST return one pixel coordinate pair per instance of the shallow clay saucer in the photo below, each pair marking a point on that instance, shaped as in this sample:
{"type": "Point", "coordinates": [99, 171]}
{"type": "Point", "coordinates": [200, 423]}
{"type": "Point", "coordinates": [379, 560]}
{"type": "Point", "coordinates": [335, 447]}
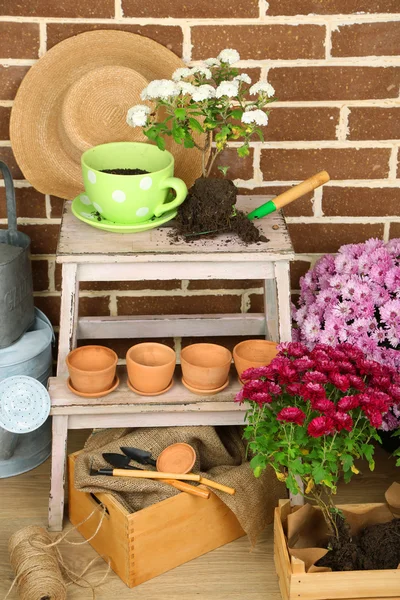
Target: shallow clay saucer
{"type": "Point", "coordinates": [169, 386]}
{"type": "Point", "coordinates": [177, 458]}
{"type": "Point", "coordinates": [114, 386]}
{"type": "Point", "coordinates": [205, 392]}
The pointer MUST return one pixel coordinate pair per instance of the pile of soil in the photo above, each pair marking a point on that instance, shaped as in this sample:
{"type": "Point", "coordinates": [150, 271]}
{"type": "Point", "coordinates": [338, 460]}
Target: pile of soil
{"type": "Point", "coordinates": [125, 171]}
{"type": "Point", "coordinates": [375, 547]}
{"type": "Point", "coordinates": [210, 207]}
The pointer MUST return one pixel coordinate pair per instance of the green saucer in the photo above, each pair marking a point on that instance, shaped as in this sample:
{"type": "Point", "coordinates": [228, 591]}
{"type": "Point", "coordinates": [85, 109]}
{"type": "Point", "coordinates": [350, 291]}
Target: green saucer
{"type": "Point", "coordinates": [84, 210]}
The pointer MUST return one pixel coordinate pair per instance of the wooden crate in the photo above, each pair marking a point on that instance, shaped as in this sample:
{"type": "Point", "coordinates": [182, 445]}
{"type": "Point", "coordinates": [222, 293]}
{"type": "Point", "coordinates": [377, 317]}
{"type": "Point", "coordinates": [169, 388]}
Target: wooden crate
{"type": "Point", "coordinates": [296, 584]}
{"type": "Point", "coordinates": [145, 544]}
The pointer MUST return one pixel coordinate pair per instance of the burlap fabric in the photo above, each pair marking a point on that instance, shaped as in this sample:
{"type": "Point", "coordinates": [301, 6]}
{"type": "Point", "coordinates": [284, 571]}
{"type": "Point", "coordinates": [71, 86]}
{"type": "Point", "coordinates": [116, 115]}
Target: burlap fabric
{"type": "Point", "coordinates": [221, 456]}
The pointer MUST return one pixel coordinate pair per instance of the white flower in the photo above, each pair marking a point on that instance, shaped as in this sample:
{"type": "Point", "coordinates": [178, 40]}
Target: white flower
{"type": "Point", "coordinates": [202, 71]}
{"type": "Point", "coordinates": [160, 88]}
{"type": "Point", "coordinates": [242, 77]}
{"type": "Point", "coordinates": [212, 62]}
{"type": "Point", "coordinates": [262, 88]}
{"type": "Point", "coordinates": [227, 88]}
{"type": "Point", "coordinates": [255, 116]}
{"type": "Point", "coordinates": [186, 88]}
{"type": "Point", "coordinates": [203, 92]}
{"type": "Point", "coordinates": [229, 55]}
{"type": "Point", "coordinates": [137, 115]}
{"type": "Point", "coordinates": [181, 73]}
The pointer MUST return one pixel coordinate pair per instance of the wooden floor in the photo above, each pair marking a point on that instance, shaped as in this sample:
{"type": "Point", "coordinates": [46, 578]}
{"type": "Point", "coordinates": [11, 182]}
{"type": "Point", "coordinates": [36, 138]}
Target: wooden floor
{"type": "Point", "coordinates": [233, 572]}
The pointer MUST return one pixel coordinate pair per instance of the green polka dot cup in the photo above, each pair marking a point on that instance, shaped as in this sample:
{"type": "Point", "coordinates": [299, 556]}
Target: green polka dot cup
{"type": "Point", "coordinates": [131, 198]}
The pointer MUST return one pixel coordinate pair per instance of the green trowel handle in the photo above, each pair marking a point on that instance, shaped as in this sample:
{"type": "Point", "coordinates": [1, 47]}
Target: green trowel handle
{"type": "Point", "coordinates": [292, 194]}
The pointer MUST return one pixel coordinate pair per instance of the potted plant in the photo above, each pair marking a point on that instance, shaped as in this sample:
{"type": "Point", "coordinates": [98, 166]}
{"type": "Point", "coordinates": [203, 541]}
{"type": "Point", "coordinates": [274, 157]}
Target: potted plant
{"type": "Point", "coordinates": [354, 297]}
{"type": "Point", "coordinates": [312, 416]}
{"type": "Point", "coordinates": [214, 99]}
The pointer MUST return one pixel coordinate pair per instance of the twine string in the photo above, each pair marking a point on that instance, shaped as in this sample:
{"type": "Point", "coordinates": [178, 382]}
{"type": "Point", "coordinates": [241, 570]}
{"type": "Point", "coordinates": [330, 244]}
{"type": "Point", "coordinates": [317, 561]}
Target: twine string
{"type": "Point", "coordinates": [40, 570]}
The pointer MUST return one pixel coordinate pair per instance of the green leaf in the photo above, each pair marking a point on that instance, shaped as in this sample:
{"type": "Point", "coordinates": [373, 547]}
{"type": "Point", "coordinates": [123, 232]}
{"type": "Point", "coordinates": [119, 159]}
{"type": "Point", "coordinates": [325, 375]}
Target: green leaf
{"type": "Point", "coordinates": [347, 462]}
{"type": "Point", "coordinates": [195, 125]}
{"type": "Point", "coordinates": [188, 143]}
{"type": "Point", "coordinates": [160, 142]}
{"type": "Point", "coordinates": [180, 113]}
{"type": "Point", "coordinates": [243, 150]}
{"type": "Point", "coordinates": [225, 130]}
{"type": "Point", "coordinates": [319, 474]}
{"type": "Point", "coordinates": [237, 113]}
{"type": "Point", "coordinates": [152, 133]}
{"type": "Point", "coordinates": [223, 170]}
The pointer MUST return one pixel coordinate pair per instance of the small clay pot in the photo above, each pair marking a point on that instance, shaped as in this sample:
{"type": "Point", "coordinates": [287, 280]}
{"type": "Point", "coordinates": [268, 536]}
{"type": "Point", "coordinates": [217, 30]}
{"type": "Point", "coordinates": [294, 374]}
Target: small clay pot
{"type": "Point", "coordinates": [177, 458]}
{"type": "Point", "coordinates": [253, 353]}
{"type": "Point", "coordinates": [92, 368]}
{"type": "Point", "coordinates": [150, 367]}
{"type": "Point", "coordinates": [205, 366]}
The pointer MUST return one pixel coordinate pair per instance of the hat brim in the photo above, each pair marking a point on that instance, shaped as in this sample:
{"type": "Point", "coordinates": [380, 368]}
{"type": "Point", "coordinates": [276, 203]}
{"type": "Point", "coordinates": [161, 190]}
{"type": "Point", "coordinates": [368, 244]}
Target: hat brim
{"type": "Point", "coordinates": [37, 136]}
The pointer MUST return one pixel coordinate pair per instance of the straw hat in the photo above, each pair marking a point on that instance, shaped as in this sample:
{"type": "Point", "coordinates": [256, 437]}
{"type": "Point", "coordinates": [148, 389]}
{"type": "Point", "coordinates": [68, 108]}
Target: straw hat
{"type": "Point", "coordinates": [77, 96]}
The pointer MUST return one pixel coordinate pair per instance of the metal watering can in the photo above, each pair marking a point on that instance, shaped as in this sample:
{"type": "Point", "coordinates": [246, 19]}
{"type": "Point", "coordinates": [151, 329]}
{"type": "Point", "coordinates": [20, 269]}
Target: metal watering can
{"type": "Point", "coordinates": [16, 292]}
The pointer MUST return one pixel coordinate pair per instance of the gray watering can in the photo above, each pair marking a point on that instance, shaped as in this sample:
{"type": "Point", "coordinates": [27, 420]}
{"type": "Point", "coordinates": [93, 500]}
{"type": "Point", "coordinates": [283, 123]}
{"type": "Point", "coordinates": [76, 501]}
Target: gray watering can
{"type": "Point", "coordinates": [16, 293]}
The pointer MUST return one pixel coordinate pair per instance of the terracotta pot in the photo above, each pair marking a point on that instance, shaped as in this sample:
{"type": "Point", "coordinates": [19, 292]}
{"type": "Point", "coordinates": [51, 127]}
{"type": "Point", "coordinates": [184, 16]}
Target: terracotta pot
{"type": "Point", "coordinates": [253, 353]}
{"type": "Point", "coordinates": [150, 366]}
{"type": "Point", "coordinates": [92, 368]}
{"type": "Point", "coordinates": [205, 366]}
{"type": "Point", "coordinates": [177, 458]}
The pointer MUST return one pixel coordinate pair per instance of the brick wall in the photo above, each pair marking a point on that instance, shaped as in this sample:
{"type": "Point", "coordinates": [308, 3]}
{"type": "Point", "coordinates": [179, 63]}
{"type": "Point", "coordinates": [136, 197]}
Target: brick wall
{"type": "Point", "coordinates": [336, 69]}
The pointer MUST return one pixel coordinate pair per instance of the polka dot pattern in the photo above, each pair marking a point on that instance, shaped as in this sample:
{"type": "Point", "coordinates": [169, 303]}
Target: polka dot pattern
{"type": "Point", "coordinates": [92, 176]}
{"type": "Point", "coordinates": [146, 183]}
{"type": "Point", "coordinates": [24, 404]}
{"type": "Point", "coordinates": [119, 196]}
{"type": "Point", "coordinates": [97, 207]}
{"type": "Point", "coordinates": [142, 211]}
{"type": "Point", "coordinates": [84, 199]}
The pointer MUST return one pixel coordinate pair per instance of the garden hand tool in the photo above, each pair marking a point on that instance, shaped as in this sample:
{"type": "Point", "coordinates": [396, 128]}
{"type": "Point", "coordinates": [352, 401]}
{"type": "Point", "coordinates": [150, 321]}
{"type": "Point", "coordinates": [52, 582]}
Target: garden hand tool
{"type": "Point", "coordinates": [120, 461]}
{"type": "Point", "coordinates": [292, 194]}
{"type": "Point", "coordinates": [144, 474]}
{"type": "Point", "coordinates": [145, 458]}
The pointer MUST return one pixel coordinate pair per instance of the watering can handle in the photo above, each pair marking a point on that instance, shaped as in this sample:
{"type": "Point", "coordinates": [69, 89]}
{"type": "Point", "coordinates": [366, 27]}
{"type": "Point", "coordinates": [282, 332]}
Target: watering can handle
{"type": "Point", "coordinates": [10, 200]}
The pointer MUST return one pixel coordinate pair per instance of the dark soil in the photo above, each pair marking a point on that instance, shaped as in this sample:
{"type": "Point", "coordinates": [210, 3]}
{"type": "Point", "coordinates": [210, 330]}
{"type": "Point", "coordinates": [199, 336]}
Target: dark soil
{"type": "Point", "coordinates": [210, 207]}
{"type": "Point", "coordinates": [375, 547]}
{"type": "Point", "coordinates": [125, 171]}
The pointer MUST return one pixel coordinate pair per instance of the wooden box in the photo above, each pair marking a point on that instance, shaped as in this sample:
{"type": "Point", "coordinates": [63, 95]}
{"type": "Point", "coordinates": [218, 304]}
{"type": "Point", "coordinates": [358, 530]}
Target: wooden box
{"type": "Point", "coordinates": [145, 544]}
{"type": "Point", "coordinates": [296, 584]}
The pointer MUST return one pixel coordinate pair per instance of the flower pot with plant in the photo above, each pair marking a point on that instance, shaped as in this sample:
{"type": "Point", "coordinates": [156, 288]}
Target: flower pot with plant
{"type": "Point", "coordinates": [313, 414]}
{"type": "Point", "coordinates": [214, 99]}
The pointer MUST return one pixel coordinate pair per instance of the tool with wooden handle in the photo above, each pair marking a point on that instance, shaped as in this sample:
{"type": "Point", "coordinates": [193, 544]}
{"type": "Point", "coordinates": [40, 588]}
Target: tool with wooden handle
{"type": "Point", "coordinates": [145, 474]}
{"type": "Point", "coordinates": [120, 461]}
{"type": "Point", "coordinates": [290, 195]}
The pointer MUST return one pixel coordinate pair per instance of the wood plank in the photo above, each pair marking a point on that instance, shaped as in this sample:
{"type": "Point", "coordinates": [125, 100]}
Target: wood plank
{"type": "Point", "coordinates": [79, 242]}
{"type": "Point", "coordinates": [58, 458]}
{"type": "Point", "coordinates": [339, 585]}
{"type": "Point", "coordinates": [170, 326]}
{"type": "Point", "coordinates": [68, 315]}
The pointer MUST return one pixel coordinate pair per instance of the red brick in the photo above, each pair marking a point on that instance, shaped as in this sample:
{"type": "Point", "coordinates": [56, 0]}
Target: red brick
{"type": "Point", "coordinates": [97, 306]}
{"type": "Point", "coordinates": [5, 112]}
{"type": "Point", "coordinates": [50, 305]}
{"type": "Point", "coordinates": [60, 8]}
{"type": "Point", "coordinates": [169, 36]}
{"type": "Point", "coordinates": [372, 123]}
{"type": "Point", "coordinates": [7, 156]}
{"type": "Point", "coordinates": [335, 83]}
{"type": "Point", "coordinates": [239, 168]}
{"type": "Point", "coordinates": [341, 163]}
{"type": "Point", "coordinates": [10, 80]}
{"type": "Point", "coordinates": [56, 207]}
{"type": "Point", "coordinates": [260, 42]}
{"type": "Point", "coordinates": [173, 305]}
{"type": "Point", "coordinates": [30, 203]}
{"type": "Point", "coordinates": [131, 285]}
{"type": "Point", "coordinates": [201, 9]}
{"type": "Point", "coordinates": [361, 202]}
{"type": "Point", "coordinates": [394, 230]}
{"type": "Point", "coordinates": [40, 275]}
{"type": "Point", "coordinates": [367, 39]}
{"type": "Point", "coordinates": [19, 40]}
{"type": "Point", "coordinates": [298, 268]}
{"type": "Point", "coordinates": [43, 237]}
{"type": "Point", "coordinates": [303, 207]}
{"type": "Point", "coordinates": [331, 7]}
{"type": "Point", "coordinates": [299, 124]}
{"type": "Point", "coordinates": [320, 237]}
{"type": "Point", "coordinates": [224, 284]}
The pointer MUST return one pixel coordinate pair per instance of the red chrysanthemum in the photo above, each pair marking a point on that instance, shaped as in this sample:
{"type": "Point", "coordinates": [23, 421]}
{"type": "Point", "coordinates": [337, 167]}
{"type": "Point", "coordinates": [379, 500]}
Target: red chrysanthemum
{"type": "Point", "coordinates": [315, 377]}
{"type": "Point", "coordinates": [313, 391]}
{"type": "Point", "coordinates": [348, 403]}
{"type": "Point", "coordinates": [374, 417]}
{"type": "Point", "coordinates": [323, 405]}
{"type": "Point", "coordinates": [293, 349]}
{"type": "Point", "coordinates": [294, 389]}
{"type": "Point", "coordinates": [304, 363]}
{"type": "Point", "coordinates": [356, 382]}
{"type": "Point", "coordinates": [343, 421]}
{"type": "Point", "coordinates": [291, 414]}
{"type": "Point", "coordinates": [342, 382]}
{"type": "Point", "coordinates": [320, 426]}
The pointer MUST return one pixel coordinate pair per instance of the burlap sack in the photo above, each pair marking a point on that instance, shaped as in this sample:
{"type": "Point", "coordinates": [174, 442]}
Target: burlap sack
{"type": "Point", "coordinates": [221, 456]}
